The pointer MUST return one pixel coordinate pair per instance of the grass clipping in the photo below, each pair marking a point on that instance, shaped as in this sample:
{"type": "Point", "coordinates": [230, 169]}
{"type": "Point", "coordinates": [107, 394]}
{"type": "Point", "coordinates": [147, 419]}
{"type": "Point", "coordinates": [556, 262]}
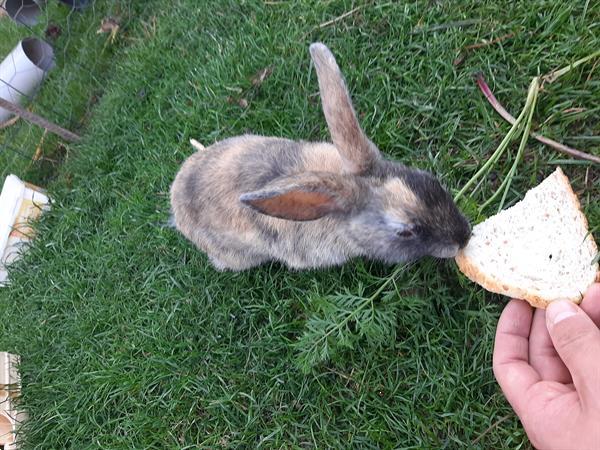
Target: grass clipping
{"type": "Point", "coordinates": [521, 126]}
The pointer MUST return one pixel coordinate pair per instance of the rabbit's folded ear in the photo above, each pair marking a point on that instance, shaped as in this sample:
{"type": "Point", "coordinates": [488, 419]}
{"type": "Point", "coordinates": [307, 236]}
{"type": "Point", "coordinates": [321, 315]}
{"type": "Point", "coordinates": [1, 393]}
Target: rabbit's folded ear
{"type": "Point", "coordinates": [306, 196]}
{"type": "Point", "coordinates": [347, 136]}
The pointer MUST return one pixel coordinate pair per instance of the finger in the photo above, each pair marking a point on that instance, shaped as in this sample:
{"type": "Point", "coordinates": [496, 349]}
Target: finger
{"type": "Point", "coordinates": [542, 354]}
{"type": "Point", "coordinates": [511, 354]}
{"type": "Point", "coordinates": [591, 303]}
{"type": "Point", "coordinates": [577, 341]}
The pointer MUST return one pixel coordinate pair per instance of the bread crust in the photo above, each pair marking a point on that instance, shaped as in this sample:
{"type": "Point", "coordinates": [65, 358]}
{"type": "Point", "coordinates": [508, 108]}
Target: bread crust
{"type": "Point", "coordinates": [534, 297]}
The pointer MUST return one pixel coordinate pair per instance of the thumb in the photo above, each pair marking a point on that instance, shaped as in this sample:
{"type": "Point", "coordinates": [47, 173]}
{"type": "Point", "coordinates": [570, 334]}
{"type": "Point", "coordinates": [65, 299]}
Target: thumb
{"type": "Point", "coordinates": [577, 342]}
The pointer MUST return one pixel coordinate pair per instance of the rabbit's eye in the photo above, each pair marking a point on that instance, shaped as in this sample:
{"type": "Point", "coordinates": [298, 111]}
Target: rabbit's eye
{"type": "Point", "coordinates": [406, 233]}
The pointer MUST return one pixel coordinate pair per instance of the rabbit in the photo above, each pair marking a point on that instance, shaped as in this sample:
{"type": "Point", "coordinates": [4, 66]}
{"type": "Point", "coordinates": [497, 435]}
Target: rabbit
{"type": "Point", "coordinates": [251, 199]}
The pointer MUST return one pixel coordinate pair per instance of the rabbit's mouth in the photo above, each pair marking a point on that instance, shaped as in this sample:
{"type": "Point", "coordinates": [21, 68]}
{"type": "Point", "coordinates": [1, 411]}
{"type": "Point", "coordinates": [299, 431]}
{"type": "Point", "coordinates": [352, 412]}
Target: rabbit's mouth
{"type": "Point", "coordinates": [446, 252]}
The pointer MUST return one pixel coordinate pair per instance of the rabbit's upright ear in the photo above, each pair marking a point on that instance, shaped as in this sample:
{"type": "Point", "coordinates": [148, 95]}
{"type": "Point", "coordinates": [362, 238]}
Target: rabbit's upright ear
{"type": "Point", "coordinates": [306, 196]}
{"type": "Point", "coordinates": [348, 137]}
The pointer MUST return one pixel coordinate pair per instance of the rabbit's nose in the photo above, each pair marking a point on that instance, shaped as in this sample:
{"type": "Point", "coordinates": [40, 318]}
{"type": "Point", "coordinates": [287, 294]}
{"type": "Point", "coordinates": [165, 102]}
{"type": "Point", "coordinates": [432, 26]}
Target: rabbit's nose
{"type": "Point", "coordinates": [449, 251]}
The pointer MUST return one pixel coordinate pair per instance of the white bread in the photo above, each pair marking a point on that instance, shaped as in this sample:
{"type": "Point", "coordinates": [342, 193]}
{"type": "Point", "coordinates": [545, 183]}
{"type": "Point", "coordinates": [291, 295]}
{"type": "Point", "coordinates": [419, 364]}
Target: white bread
{"type": "Point", "coordinates": [538, 250]}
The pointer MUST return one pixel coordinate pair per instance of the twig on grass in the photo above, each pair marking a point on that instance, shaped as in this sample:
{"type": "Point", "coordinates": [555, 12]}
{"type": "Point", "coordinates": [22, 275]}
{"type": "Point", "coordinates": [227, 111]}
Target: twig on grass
{"type": "Point", "coordinates": [39, 150]}
{"type": "Point", "coordinates": [489, 95]}
{"type": "Point", "coordinates": [589, 77]}
{"type": "Point", "coordinates": [492, 42]}
{"type": "Point", "coordinates": [466, 50]}
{"type": "Point", "coordinates": [10, 122]}
{"type": "Point", "coordinates": [447, 25]}
{"type": "Point", "coordinates": [341, 17]}
{"type": "Point", "coordinates": [490, 428]}
{"type": "Point", "coordinates": [39, 121]}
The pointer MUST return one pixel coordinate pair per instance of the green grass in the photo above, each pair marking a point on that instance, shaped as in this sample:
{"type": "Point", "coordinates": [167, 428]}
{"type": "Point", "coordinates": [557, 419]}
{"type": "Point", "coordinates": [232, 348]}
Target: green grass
{"type": "Point", "coordinates": [129, 339]}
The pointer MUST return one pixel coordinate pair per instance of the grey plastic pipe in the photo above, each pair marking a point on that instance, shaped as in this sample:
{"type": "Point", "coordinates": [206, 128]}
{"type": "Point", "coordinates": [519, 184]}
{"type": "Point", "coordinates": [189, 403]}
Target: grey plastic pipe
{"type": "Point", "coordinates": [23, 70]}
{"type": "Point", "coordinates": [25, 12]}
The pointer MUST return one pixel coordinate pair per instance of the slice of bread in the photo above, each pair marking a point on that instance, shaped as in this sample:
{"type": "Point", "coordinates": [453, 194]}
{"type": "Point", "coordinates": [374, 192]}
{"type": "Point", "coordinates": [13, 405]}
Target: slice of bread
{"type": "Point", "coordinates": [539, 250]}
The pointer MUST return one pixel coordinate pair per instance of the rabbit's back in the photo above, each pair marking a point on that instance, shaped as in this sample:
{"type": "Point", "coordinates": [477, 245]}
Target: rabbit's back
{"type": "Point", "coordinates": [207, 210]}
{"type": "Point", "coordinates": [250, 199]}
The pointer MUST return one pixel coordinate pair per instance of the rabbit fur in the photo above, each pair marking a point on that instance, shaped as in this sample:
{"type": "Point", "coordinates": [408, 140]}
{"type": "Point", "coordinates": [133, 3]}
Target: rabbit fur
{"type": "Point", "coordinates": [251, 199]}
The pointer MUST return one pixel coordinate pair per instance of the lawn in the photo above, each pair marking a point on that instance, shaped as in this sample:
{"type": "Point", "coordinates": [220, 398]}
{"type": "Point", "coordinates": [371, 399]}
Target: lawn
{"type": "Point", "coordinates": [130, 339]}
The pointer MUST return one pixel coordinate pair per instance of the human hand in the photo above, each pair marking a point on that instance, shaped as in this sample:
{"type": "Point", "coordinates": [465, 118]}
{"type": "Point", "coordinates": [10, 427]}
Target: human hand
{"type": "Point", "coordinates": [547, 363]}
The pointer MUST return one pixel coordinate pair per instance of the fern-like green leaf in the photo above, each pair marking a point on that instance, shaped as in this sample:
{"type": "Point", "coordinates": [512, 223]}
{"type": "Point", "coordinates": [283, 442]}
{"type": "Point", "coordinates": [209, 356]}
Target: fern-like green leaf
{"type": "Point", "coordinates": [341, 321]}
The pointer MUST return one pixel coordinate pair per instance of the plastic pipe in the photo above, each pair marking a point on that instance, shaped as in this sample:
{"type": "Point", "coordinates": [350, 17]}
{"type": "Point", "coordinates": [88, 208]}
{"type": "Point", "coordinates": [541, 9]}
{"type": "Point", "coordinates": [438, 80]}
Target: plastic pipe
{"type": "Point", "coordinates": [25, 12]}
{"type": "Point", "coordinates": [23, 70]}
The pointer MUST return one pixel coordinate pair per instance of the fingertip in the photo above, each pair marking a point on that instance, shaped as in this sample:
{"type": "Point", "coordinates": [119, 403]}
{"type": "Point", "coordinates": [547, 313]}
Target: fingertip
{"type": "Point", "coordinates": [517, 304]}
{"type": "Point", "coordinates": [518, 312]}
{"type": "Point", "coordinates": [592, 294]}
{"type": "Point", "coordinates": [560, 310]}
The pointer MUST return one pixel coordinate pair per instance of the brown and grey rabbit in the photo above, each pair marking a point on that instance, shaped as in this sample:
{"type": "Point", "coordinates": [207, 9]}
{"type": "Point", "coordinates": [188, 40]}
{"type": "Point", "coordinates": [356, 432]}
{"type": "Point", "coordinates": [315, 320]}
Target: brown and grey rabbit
{"type": "Point", "coordinates": [251, 199]}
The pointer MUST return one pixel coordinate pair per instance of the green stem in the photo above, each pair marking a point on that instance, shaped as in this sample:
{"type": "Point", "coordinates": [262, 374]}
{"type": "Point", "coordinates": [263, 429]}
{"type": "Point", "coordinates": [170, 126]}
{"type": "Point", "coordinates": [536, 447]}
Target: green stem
{"type": "Point", "coordinates": [535, 87]}
{"type": "Point", "coordinates": [553, 76]}
{"type": "Point", "coordinates": [497, 153]}
{"type": "Point", "coordinates": [527, 110]}
{"type": "Point", "coordinates": [500, 188]}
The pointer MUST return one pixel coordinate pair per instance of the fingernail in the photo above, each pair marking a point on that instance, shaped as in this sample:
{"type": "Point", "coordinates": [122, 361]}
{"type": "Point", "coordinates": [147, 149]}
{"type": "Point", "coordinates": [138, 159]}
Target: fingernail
{"type": "Point", "coordinates": [559, 311]}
